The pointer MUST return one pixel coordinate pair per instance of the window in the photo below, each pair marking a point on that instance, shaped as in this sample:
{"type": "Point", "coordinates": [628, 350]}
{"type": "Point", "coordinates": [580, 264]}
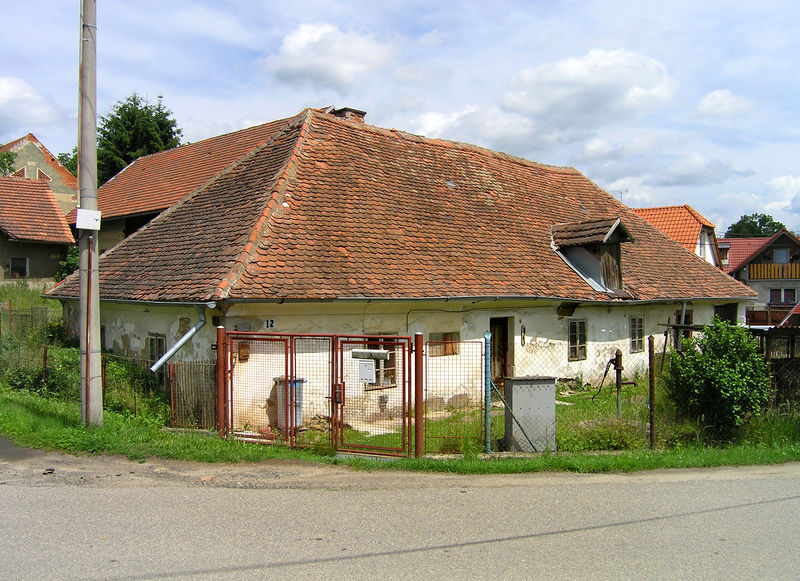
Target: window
{"type": "Point", "coordinates": [40, 175]}
{"type": "Point", "coordinates": [780, 255]}
{"type": "Point", "coordinates": [782, 296]}
{"type": "Point", "coordinates": [18, 268]}
{"type": "Point", "coordinates": [443, 344]}
{"type": "Point", "coordinates": [637, 334]}
{"type": "Point", "coordinates": [385, 369]}
{"type": "Point", "coordinates": [577, 340]}
{"type": "Point", "coordinates": [156, 347]}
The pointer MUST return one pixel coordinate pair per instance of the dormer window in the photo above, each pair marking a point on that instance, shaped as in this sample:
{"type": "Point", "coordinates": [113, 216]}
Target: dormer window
{"type": "Point", "coordinates": [592, 249]}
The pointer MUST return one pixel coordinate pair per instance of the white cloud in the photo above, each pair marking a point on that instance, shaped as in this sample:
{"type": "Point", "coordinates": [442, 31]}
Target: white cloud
{"type": "Point", "coordinates": [323, 56]}
{"type": "Point", "coordinates": [786, 189]}
{"type": "Point", "coordinates": [597, 148]}
{"type": "Point", "coordinates": [22, 107]}
{"type": "Point", "coordinates": [697, 169]}
{"type": "Point", "coordinates": [590, 91]}
{"type": "Point", "coordinates": [723, 103]}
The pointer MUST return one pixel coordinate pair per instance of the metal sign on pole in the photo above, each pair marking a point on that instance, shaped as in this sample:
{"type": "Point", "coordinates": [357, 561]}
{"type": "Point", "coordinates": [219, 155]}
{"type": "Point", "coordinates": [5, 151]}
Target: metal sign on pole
{"type": "Point", "coordinates": [89, 222]}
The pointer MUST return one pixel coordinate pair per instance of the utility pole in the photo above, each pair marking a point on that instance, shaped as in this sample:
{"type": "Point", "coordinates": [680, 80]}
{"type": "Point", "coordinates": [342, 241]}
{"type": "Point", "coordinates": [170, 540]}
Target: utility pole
{"type": "Point", "coordinates": [88, 222]}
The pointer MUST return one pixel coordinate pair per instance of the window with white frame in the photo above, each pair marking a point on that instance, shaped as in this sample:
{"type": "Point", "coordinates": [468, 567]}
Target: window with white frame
{"type": "Point", "coordinates": [577, 340]}
{"type": "Point", "coordinates": [637, 334]}
{"type": "Point", "coordinates": [782, 296]}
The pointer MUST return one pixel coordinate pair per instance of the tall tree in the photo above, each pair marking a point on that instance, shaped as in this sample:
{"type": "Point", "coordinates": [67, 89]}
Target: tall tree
{"type": "Point", "coordinates": [70, 161]}
{"type": "Point", "coordinates": [135, 127]}
{"type": "Point", "coordinates": [7, 162]}
{"type": "Point", "coordinates": [754, 226]}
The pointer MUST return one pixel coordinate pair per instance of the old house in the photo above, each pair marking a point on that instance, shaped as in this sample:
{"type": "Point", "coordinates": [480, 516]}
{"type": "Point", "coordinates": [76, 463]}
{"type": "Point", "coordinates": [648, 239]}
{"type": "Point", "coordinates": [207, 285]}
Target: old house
{"type": "Point", "coordinates": [688, 227]}
{"type": "Point", "coordinates": [35, 162]}
{"type": "Point", "coordinates": [771, 267]}
{"type": "Point", "coordinates": [335, 226]}
{"type": "Point", "coordinates": [33, 232]}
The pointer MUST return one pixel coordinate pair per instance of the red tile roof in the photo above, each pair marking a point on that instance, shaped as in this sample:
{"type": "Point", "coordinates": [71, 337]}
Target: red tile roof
{"type": "Point", "coordinates": [155, 182]}
{"type": "Point", "coordinates": [743, 250]}
{"type": "Point", "coordinates": [681, 223]}
{"type": "Point", "coordinates": [67, 178]}
{"type": "Point", "coordinates": [29, 211]}
{"type": "Point", "coordinates": [333, 209]}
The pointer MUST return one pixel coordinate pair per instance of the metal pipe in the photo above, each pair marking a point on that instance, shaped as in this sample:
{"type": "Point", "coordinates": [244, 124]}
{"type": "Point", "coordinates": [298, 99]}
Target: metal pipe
{"type": "Point", "coordinates": [221, 374]}
{"type": "Point", "coordinates": [181, 342]}
{"type": "Point", "coordinates": [419, 404]}
{"type": "Point", "coordinates": [651, 345]}
{"type": "Point", "coordinates": [487, 392]}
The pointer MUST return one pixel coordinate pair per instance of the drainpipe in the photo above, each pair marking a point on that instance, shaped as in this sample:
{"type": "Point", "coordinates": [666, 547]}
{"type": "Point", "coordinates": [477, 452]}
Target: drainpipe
{"type": "Point", "coordinates": [201, 311]}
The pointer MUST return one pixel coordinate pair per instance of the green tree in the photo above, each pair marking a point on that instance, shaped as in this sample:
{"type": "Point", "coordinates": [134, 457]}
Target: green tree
{"type": "Point", "coordinates": [134, 128]}
{"type": "Point", "coordinates": [68, 264]}
{"type": "Point", "coordinates": [70, 160]}
{"type": "Point", "coordinates": [7, 162]}
{"type": "Point", "coordinates": [719, 379]}
{"type": "Point", "coordinates": [754, 226]}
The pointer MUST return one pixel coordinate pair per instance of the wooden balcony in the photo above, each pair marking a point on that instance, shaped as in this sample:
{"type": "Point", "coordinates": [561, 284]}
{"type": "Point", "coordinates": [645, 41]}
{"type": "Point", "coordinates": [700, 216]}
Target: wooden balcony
{"type": "Point", "coordinates": [774, 271]}
{"type": "Point", "coordinates": [772, 315]}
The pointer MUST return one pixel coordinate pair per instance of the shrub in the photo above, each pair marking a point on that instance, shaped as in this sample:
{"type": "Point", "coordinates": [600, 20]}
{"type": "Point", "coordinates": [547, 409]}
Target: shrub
{"type": "Point", "coordinates": [719, 379]}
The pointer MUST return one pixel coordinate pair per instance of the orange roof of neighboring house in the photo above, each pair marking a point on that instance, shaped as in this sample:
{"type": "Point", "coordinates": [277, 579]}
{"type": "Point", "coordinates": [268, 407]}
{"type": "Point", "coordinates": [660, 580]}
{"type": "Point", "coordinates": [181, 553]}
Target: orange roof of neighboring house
{"type": "Point", "coordinates": [681, 223]}
{"type": "Point", "coordinates": [330, 208]}
{"type": "Point", "coordinates": [67, 178]}
{"type": "Point", "coordinates": [743, 250]}
{"type": "Point", "coordinates": [29, 211]}
{"type": "Point", "coordinates": [155, 182]}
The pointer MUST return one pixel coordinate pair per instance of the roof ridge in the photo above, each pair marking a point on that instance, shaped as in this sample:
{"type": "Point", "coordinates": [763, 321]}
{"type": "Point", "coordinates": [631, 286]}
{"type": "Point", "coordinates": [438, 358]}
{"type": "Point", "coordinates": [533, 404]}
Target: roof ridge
{"type": "Point", "coordinates": [257, 232]}
{"type": "Point", "coordinates": [450, 144]}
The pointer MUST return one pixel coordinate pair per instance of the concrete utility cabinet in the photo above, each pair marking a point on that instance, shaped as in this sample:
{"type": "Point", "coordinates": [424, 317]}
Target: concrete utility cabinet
{"type": "Point", "coordinates": [533, 402]}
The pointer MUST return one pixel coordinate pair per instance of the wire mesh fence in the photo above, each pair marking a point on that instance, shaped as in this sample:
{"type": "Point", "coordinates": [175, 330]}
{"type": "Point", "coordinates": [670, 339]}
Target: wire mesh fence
{"type": "Point", "coordinates": [193, 394]}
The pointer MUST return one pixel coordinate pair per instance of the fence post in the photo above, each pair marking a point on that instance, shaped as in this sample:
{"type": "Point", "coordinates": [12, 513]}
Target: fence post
{"type": "Point", "coordinates": [618, 369]}
{"type": "Point", "coordinates": [419, 403]}
{"type": "Point", "coordinates": [221, 369]}
{"type": "Point", "coordinates": [9, 315]}
{"type": "Point", "coordinates": [487, 392]}
{"type": "Point", "coordinates": [44, 364]}
{"type": "Point", "coordinates": [651, 344]}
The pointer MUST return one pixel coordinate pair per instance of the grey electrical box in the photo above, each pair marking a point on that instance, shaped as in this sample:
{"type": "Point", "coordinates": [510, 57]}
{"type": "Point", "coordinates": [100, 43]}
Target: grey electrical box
{"type": "Point", "coordinates": [532, 400]}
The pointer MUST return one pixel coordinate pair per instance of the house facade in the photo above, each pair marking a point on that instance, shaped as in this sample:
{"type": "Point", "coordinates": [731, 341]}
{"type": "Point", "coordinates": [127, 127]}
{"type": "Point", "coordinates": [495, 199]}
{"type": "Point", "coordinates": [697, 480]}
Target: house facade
{"type": "Point", "coordinates": [688, 227]}
{"type": "Point", "coordinates": [35, 162]}
{"type": "Point", "coordinates": [333, 226]}
{"type": "Point", "coordinates": [771, 267]}
{"type": "Point", "coordinates": [34, 235]}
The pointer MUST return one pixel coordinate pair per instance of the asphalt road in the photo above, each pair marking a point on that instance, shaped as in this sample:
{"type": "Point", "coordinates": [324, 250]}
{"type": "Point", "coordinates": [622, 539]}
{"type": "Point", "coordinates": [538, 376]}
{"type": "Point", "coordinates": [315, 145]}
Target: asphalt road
{"type": "Point", "coordinates": [66, 517]}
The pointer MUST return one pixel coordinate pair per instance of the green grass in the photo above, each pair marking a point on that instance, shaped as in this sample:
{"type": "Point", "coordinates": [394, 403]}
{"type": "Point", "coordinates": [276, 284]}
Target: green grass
{"type": "Point", "coordinates": [33, 421]}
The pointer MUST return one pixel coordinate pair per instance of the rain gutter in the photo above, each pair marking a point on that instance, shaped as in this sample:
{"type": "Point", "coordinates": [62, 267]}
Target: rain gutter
{"type": "Point", "coordinates": [201, 311]}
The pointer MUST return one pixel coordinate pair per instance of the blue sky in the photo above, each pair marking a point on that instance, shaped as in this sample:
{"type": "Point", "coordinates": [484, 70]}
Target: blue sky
{"type": "Point", "coordinates": [661, 103]}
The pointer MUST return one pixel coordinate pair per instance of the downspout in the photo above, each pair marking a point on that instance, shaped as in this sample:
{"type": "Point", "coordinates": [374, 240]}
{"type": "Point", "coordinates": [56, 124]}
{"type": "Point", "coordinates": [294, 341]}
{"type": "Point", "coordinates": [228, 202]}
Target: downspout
{"type": "Point", "coordinates": [201, 311]}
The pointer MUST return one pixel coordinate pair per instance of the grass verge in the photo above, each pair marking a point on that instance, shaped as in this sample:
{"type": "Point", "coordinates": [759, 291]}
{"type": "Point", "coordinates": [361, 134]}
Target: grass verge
{"type": "Point", "coordinates": [30, 420]}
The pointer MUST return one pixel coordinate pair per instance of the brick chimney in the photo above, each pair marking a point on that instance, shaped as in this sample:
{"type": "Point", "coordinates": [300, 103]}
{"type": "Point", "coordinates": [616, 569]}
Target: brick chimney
{"type": "Point", "coordinates": [350, 114]}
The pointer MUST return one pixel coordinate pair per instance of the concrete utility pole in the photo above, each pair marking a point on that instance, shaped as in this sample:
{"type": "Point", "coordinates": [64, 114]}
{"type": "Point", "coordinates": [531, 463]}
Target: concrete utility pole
{"type": "Point", "coordinates": [88, 222]}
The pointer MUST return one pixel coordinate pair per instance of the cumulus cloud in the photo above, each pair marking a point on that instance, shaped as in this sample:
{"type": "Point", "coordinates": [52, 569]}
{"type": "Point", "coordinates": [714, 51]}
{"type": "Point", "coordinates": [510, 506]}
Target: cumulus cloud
{"type": "Point", "coordinates": [696, 169]}
{"type": "Point", "coordinates": [723, 103]}
{"type": "Point", "coordinates": [323, 56]}
{"type": "Point", "coordinates": [22, 107]}
{"type": "Point", "coordinates": [598, 149]}
{"type": "Point", "coordinates": [786, 189]}
{"type": "Point", "coordinates": [590, 91]}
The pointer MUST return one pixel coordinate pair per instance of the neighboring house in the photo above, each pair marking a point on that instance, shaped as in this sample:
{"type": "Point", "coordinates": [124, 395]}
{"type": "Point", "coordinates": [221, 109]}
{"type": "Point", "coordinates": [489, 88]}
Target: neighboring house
{"type": "Point", "coordinates": [771, 267]}
{"type": "Point", "coordinates": [34, 161]}
{"type": "Point", "coordinates": [153, 183]}
{"type": "Point", "coordinates": [339, 227]}
{"type": "Point", "coordinates": [33, 232]}
{"type": "Point", "coordinates": [688, 227]}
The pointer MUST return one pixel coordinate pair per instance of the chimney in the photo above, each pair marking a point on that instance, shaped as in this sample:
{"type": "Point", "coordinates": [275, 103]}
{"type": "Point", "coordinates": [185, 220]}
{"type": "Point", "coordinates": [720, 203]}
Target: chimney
{"type": "Point", "coordinates": [350, 114]}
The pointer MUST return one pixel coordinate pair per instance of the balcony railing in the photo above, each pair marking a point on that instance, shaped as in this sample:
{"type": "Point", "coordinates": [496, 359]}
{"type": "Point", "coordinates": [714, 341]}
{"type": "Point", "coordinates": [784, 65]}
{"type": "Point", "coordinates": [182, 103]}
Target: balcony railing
{"type": "Point", "coordinates": [772, 315]}
{"type": "Point", "coordinates": [774, 271]}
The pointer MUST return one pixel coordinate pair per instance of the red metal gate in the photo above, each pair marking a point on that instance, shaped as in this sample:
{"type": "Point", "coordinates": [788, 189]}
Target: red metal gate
{"type": "Point", "coordinates": [349, 392]}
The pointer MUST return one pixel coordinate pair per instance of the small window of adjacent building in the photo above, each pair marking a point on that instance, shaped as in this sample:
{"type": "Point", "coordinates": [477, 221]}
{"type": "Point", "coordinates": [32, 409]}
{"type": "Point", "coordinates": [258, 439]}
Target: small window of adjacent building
{"type": "Point", "coordinates": [790, 296]}
{"type": "Point", "coordinates": [577, 340]}
{"type": "Point", "coordinates": [443, 344]}
{"type": "Point", "coordinates": [780, 255]}
{"type": "Point", "coordinates": [637, 334]}
{"type": "Point", "coordinates": [18, 268]}
{"type": "Point", "coordinates": [156, 347]}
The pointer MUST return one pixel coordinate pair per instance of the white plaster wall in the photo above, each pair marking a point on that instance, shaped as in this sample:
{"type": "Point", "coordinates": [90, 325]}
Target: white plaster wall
{"type": "Point", "coordinates": [541, 351]}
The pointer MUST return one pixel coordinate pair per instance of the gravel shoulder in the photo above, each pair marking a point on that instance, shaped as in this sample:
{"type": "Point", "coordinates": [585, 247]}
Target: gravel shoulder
{"type": "Point", "coordinates": [37, 468]}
